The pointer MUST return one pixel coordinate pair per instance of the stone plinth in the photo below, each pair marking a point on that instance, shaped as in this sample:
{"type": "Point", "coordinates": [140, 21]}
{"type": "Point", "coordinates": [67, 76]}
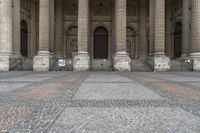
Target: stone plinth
{"type": "Point", "coordinates": [81, 62]}
{"type": "Point", "coordinates": [122, 62]}
{"type": "Point", "coordinates": [4, 63]}
{"type": "Point", "coordinates": [162, 63]}
{"type": "Point", "coordinates": [196, 61]}
{"type": "Point", "coordinates": [42, 62]}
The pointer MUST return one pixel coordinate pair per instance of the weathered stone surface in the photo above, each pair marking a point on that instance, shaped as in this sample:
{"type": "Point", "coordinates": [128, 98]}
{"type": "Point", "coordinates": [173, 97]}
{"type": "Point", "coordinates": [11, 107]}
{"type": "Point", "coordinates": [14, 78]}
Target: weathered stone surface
{"type": "Point", "coordinates": [101, 65]}
{"type": "Point", "coordinates": [4, 63]}
{"type": "Point", "coordinates": [81, 62]}
{"type": "Point", "coordinates": [122, 62]}
{"type": "Point", "coordinates": [88, 102]}
{"type": "Point", "coordinates": [42, 62]}
{"type": "Point", "coordinates": [162, 63]}
{"type": "Point", "coordinates": [196, 64]}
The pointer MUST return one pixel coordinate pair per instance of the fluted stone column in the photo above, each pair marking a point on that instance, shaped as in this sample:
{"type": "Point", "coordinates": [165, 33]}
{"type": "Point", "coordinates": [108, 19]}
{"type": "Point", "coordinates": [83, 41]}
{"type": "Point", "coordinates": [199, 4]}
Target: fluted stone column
{"type": "Point", "coordinates": [59, 28]}
{"type": "Point", "coordinates": [16, 28]}
{"type": "Point", "coordinates": [195, 40]}
{"type": "Point", "coordinates": [151, 26]}
{"type": "Point", "coordinates": [81, 61]}
{"type": "Point", "coordinates": [42, 61]}
{"type": "Point", "coordinates": [52, 23]}
{"type": "Point", "coordinates": [5, 34]}
{"type": "Point", "coordinates": [186, 28]}
{"type": "Point", "coordinates": [161, 61]}
{"type": "Point", "coordinates": [143, 31]}
{"type": "Point", "coordinates": [33, 37]}
{"type": "Point", "coordinates": [168, 34]}
{"type": "Point", "coordinates": [121, 61]}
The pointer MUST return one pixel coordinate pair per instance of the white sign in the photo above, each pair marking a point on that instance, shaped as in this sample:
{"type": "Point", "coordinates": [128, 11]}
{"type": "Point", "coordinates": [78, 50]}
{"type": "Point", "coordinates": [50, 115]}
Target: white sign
{"type": "Point", "coordinates": [61, 63]}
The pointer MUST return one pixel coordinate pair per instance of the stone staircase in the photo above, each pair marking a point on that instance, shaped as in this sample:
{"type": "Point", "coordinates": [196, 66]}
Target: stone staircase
{"type": "Point", "coordinates": [101, 65]}
{"type": "Point", "coordinates": [142, 65]}
{"type": "Point", "coordinates": [181, 65]}
{"type": "Point", "coordinates": [21, 64]}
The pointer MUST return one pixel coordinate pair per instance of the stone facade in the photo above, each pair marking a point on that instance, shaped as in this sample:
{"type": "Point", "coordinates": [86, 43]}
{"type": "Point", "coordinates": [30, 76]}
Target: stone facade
{"type": "Point", "coordinates": [121, 35]}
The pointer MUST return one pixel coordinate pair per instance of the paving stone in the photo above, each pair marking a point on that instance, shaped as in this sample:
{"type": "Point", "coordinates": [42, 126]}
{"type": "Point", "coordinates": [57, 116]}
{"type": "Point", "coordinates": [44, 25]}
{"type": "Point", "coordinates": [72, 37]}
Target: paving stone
{"type": "Point", "coordinates": [5, 87]}
{"type": "Point", "coordinates": [126, 120]}
{"type": "Point", "coordinates": [114, 91]}
{"type": "Point", "coordinates": [99, 102]}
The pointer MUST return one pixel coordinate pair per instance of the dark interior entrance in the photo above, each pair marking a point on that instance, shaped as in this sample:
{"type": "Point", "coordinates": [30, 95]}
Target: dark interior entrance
{"type": "Point", "coordinates": [178, 40]}
{"type": "Point", "coordinates": [24, 39]}
{"type": "Point", "coordinates": [100, 43]}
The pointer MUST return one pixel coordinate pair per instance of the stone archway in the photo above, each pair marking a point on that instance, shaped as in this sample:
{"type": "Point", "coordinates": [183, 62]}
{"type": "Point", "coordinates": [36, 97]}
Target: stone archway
{"type": "Point", "coordinates": [100, 49]}
{"type": "Point", "coordinates": [24, 39]}
{"type": "Point", "coordinates": [178, 40]}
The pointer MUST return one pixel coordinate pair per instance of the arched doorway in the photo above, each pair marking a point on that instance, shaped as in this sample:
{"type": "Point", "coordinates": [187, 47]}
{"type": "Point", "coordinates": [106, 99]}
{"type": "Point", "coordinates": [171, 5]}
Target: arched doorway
{"type": "Point", "coordinates": [100, 49]}
{"type": "Point", "coordinates": [178, 40]}
{"type": "Point", "coordinates": [130, 42]}
{"type": "Point", "coordinates": [24, 39]}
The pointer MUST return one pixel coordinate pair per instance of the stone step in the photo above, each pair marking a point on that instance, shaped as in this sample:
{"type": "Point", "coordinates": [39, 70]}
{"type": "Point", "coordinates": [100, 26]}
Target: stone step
{"type": "Point", "coordinates": [101, 65]}
{"type": "Point", "coordinates": [141, 66]}
{"type": "Point", "coordinates": [181, 65]}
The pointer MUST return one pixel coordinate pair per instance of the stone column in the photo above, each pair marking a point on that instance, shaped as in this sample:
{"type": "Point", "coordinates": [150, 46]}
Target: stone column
{"type": "Point", "coordinates": [5, 34]}
{"type": "Point", "coordinates": [195, 35]}
{"type": "Point", "coordinates": [16, 28]}
{"type": "Point", "coordinates": [161, 61]}
{"type": "Point", "coordinates": [52, 23]}
{"type": "Point", "coordinates": [81, 61]}
{"type": "Point", "coordinates": [42, 61]}
{"type": "Point", "coordinates": [143, 31]}
{"type": "Point", "coordinates": [59, 28]}
{"type": "Point", "coordinates": [151, 27]}
{"type": "Point", "coordinates": [121, 61]}
{"type": "Point", "coordinates": [169, 48]}
{"type": "Point", "coordinates": [186, 28]}
{"type": "Point", "coordinates": [33, 45]}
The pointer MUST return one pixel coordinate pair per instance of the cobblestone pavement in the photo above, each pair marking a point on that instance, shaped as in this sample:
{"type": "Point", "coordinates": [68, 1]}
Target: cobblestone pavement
{"type": "Point", "coordinates": [102, 102]}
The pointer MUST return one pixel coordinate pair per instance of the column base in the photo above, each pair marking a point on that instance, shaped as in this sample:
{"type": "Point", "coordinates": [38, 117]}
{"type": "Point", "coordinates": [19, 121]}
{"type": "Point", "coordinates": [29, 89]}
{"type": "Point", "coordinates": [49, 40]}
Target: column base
{"type": "Point", "coordinates": [42, 62]}
{"type": "Point", "coordinates": [81, 62]}
{"type": "Point", "coordinates": [161, 63]}
{"type": "Point", "coordinates": [122, 62]}
{"type": "Point", "coordinates": [16, 62]}
{"type": "Point", "coordinates": [196, 61]}
{"type": "Point", "coordinates": [4, 63]}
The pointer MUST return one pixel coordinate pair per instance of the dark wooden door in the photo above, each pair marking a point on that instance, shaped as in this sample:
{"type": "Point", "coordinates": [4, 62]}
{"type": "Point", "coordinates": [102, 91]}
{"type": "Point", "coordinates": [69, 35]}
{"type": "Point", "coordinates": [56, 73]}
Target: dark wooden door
{"type": "Point", "coordinates": [100, 43]}
{"type": "Point", "coordinates": [178, 40]}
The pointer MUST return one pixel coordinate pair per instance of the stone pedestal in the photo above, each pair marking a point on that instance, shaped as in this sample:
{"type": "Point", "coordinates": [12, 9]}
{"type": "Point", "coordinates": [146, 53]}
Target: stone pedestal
{"type": "Point", "coordinates": [122, 62]}
{"type": "Point", "coordinates": [81, 62]}
{"type": "Point", "coordinates": [196, 61]}
{"type": "Point", "coordinates": [4, 63]}
{"type": "Point", "coordinates": [5, 34]}
{"type": "Point", "coordinates": [42, 62]}
{"type": "Point", "coordinates": [161, 63]}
